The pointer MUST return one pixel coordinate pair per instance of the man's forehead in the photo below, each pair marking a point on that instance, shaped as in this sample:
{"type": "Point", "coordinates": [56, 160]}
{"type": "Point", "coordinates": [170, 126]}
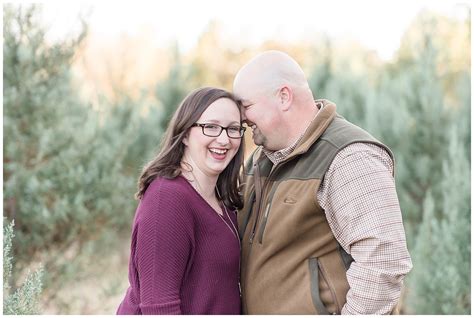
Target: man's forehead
{"type": "Point", "coordinates": [245, 90]}
{"type": "Point", "coordinates": [242, 94]}
{"type": "Point", "coordinates": [244, 101]}
{"type": "Point", "coordinates": [244, 81]}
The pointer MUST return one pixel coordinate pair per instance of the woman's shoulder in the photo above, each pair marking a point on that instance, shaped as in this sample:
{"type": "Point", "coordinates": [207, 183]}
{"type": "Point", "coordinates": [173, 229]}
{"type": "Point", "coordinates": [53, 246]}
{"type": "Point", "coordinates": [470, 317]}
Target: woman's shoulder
{"type": "Point", "coordinates": [164, 191]}
{"type": "Point", "coordinates": [170, 186]}
{"type": "Point", "coordinates": [165, 206]}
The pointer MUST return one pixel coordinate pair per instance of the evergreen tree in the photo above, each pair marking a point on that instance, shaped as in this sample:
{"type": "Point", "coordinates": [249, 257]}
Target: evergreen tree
{"type": "Point", "coordinates": [336, 81]}
{"type": "Point", "coordinates": [426, 123]}
{"type": "Point", "coordinates": [65, 179]}
{"type": "Point", "coordinates": [171, 91]}
{"type": "Point", "coordinates": [441, 280]}
{"type": "Point", "coordinates": [428, 129]}
{"type": "Point", "coordinates": [23, 301]}
{"type": "Point", "coordinates": [41, 112]}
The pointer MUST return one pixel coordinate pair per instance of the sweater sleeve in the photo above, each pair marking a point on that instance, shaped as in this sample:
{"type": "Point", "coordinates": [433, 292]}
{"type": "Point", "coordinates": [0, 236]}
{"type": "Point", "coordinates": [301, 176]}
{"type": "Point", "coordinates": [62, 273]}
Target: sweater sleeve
{"type": "Point", "coordinates": [163, 249]}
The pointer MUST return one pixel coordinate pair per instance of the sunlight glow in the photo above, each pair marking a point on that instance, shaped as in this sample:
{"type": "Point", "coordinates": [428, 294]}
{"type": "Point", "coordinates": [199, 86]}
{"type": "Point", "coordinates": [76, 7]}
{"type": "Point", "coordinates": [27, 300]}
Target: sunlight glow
{"type": "Point", "coordinates": [378, 25]}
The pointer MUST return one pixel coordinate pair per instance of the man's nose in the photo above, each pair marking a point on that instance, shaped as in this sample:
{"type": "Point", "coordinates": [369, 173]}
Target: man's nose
{"type": "Point", "coordinates": [245, 119]}
{"type": "Point", "coordinates": [242, 111]}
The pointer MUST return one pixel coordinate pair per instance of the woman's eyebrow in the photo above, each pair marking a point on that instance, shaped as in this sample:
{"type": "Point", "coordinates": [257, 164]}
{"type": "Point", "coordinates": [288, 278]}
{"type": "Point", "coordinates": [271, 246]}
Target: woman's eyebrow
{"type": "Point", "coordinates": [215, 121]}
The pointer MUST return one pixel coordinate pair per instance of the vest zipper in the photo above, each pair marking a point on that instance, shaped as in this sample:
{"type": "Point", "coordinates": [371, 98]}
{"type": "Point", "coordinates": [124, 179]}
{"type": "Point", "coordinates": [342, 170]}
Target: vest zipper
{"type": "Point", "coordinates": [257, 217]}
{"type": "Point", "coordinates": [252, 235]}
{"type": "Point", "coordinates": [248, 214]}
{"type": "Point", "coordinates": [254, 225]}
{"type": "Point", "coordinates": [264, 223]}
{"type": "Point", "coordinates": [258, 201]}
{"type": "Point", "coordinates": [267, 208]}
{"type": "Point", "coordinates": [259, 205]}
{"type": "Point", "coordinates": [266, 214]}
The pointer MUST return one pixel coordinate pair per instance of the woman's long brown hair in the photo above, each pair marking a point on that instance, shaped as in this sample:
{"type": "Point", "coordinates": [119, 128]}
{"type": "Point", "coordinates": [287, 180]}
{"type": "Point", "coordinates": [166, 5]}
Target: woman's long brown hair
{"type": "Point", "coordinates": [167, 163]}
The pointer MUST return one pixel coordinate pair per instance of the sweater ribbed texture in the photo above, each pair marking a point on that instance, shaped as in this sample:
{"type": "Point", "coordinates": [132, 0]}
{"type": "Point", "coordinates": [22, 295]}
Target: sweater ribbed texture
{"type": "Point", "coordinates": [184, 259]}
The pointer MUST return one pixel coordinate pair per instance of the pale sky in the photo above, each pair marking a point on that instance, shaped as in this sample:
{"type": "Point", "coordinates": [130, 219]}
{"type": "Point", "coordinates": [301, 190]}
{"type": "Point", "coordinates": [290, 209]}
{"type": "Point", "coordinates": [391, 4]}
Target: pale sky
{"type": "Point", "coordinates": [378, 25]}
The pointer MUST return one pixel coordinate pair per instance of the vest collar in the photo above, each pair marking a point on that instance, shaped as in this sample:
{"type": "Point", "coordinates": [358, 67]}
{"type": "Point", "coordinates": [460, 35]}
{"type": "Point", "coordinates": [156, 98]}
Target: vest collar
{"type": "Point", "coordinates": [322, 120]}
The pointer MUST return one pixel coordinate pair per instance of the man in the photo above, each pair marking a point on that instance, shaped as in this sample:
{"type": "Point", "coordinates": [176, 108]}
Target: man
{"type": "Point", "coordinates": [321, 228]}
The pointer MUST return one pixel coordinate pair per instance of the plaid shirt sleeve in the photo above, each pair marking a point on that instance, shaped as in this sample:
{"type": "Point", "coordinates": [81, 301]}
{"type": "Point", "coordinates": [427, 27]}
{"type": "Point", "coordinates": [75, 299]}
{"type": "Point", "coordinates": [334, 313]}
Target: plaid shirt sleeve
{"type": "Point", "coordinates": [360, 201]}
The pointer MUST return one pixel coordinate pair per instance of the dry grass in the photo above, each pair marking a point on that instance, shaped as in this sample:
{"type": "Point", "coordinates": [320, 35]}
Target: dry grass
{"type": "Point", "coordinates": [101, 292]}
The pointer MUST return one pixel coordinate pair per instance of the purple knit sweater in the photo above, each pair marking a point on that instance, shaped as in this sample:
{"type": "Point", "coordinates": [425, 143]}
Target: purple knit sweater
{"type": "Point", "coordinates": [184, 259]}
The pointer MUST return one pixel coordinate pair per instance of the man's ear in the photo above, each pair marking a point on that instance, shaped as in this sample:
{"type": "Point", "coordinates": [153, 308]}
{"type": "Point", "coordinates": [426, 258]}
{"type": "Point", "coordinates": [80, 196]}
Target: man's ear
{"type": "Point", "coordinates": [285, 97]}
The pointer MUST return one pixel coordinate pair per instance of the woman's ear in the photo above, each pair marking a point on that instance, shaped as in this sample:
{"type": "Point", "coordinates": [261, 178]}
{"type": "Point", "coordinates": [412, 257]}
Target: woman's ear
{"type": "Point", "coordinates": [185, 140]}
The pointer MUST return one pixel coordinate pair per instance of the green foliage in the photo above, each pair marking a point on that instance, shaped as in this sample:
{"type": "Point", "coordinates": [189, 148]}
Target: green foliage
{"type": "Point", "coordinates": [69, 177]}
{"type": "Point", "coordinates": [70, 169]}
{"type": "Point", "coordinates": [409, 107]}
{"type": "Point", "coordinates": [442, 253]}
{"type": "Point", "coordinates": [24, 300]}
{"type": "Point", "coordinates": [172, 90]}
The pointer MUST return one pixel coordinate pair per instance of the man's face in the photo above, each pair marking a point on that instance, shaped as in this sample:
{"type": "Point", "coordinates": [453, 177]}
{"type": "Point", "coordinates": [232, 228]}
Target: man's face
{"type": "Point", "coordinates": [260, 112]}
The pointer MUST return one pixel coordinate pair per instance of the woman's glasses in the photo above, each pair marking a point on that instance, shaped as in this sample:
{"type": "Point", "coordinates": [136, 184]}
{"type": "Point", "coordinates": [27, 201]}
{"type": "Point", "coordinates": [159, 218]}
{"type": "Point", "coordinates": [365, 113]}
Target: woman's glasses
{"type": "Point", "coordinates": [214, 130]}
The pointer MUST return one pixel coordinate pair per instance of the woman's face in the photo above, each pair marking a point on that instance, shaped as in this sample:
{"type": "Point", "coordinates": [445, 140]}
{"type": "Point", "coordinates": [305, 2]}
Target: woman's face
{"type": "Point", "coordinates": [211, 155]}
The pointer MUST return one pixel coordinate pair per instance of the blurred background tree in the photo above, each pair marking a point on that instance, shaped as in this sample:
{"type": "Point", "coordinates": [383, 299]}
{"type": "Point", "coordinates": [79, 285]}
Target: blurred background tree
{"type": "Point", "coordinates": [171, 90]}
{"type": "Point", "coordinates": [24, 300]}
{"type": "Point", "coordinates": [421, 109]}
{"type": "Point", "coordinates": [67, 184]}
{"type": "Point", "coordinates": [79, 126]}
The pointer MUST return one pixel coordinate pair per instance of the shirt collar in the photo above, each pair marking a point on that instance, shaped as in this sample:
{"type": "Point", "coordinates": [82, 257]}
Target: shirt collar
{"type": "Point", "coordinates": [279, 155]}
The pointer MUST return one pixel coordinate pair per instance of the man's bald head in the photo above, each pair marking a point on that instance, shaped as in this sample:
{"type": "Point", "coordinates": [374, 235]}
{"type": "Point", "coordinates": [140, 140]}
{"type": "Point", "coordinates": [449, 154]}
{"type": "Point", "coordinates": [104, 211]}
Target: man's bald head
{"type": "Point", "coordinates": [270, 70]}
{"type": "Point", "coordinates": [276, 100]}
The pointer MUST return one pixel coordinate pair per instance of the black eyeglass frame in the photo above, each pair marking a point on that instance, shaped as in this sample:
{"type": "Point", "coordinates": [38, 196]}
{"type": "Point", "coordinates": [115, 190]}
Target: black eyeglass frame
{"type": "Point", "coordinates": [242, 130]}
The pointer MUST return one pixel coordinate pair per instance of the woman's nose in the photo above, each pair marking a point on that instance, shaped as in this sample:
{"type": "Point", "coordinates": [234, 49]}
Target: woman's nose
{"type": "Point", "coordinates": [223, 138]}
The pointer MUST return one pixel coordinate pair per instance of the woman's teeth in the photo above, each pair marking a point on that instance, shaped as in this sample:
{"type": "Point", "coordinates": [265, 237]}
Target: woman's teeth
{"type": "Point", "coordinates": [218, 151]}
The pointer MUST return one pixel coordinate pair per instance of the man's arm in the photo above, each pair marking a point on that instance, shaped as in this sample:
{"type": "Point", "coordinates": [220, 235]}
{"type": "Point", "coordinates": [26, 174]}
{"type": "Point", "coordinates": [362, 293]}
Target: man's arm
{"type": "Point", "coordinates": [360, 201]}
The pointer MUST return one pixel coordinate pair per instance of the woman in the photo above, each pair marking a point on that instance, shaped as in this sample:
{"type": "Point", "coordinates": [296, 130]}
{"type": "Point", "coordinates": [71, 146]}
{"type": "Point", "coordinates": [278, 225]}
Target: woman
{"type": "Point", "coordinates": [185, 248]}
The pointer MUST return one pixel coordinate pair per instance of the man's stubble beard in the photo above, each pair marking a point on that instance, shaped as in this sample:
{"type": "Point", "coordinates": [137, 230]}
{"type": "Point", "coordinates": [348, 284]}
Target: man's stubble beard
{"type": "Point", "coordinates": [259, 139]}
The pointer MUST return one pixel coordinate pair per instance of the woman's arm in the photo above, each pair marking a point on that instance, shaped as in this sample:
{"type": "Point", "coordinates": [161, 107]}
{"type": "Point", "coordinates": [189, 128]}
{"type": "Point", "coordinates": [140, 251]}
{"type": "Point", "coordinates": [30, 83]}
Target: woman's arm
{"type": "Point", "coordinates": [163, 248]}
